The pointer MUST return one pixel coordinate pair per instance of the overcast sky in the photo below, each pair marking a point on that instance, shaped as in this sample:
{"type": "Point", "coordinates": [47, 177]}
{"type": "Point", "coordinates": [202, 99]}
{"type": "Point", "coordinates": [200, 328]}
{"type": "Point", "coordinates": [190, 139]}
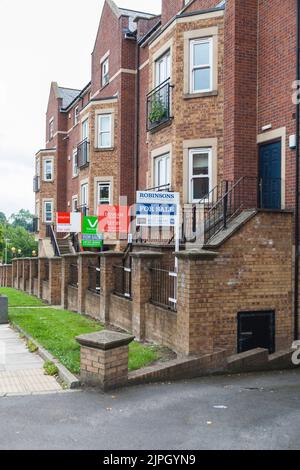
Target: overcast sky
{"type": "Point", "coordinates": [40, 41]}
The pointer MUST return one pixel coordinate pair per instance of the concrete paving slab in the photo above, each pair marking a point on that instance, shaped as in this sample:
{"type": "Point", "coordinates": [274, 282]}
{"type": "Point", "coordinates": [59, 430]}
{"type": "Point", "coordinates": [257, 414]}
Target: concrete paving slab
{"type": "Point", "coordinates": [21, 372]}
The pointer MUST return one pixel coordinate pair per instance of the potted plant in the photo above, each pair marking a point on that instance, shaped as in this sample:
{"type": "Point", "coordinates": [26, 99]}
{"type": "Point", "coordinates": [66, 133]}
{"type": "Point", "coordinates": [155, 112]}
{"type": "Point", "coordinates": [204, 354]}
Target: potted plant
{"type": "Point", "coordinates": [3, 309]}
{"type": "Point", "coordinates": [158, 111]}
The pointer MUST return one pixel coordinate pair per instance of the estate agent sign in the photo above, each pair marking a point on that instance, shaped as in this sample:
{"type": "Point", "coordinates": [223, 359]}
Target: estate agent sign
{"type": "Point", "coordinates": [68, 222]}
{"type": "Point", "coordinates": [91, 238]}
{"type": "Point", "coordinates": [157, 209]}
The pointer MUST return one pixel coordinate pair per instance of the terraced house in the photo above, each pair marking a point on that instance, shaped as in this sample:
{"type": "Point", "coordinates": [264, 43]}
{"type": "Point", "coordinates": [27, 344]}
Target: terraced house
{"type": "Point", "coordinates": [197, 100]}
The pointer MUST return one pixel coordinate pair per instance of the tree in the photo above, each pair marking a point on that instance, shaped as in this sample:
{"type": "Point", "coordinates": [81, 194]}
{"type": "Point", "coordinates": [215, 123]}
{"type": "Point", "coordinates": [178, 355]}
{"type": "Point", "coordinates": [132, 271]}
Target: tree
{"type": "Point", "coordinates": [23, 218]}
{"type": "Point", "coordinates": [3, 219]}
{"type": "Point", "coordinates": [20, 239]}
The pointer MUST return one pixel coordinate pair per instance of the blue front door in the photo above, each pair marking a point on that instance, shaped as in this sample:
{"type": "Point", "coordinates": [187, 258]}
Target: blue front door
{"type": "Point", "coordinates": [270, 175]}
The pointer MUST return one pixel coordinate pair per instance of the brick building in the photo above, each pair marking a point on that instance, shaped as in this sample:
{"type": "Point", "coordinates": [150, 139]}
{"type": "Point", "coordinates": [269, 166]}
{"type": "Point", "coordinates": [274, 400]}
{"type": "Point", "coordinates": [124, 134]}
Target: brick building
{"type": "Point", "coordinates": [197, 100]}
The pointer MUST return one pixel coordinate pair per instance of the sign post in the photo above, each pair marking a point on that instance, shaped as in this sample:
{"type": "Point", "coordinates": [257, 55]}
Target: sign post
{"type": "Point", "coordinates": [159, 209]}
{"type": "Point", "coordinates": [91, 238]}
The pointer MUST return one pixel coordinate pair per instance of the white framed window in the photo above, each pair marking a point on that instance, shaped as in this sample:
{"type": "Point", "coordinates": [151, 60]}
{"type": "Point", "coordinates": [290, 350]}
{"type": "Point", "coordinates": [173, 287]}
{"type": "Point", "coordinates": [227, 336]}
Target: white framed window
{"type": "Point", "coordinates": [74, 204]}
{"type": "Point", "coordinates": [75, 163]}
{"type": "Point", "coordinates": [37, 214]}
{"type": "Point", "coordinates": [200, 173]}
{"type": "Point", "coordinates": [104, 131]}
{"type": "Point", "coordinates": [103, 193]}
{"type": "Point", "coordinates": [163, 68]}
{"type": "Point", "coordinates": [76, 115]}
{"type": "Point", "coordinates": [37, 167]}
{"type": "Point", "coordinates": [201, 65]}
{"type": "Point", "coordinates": [51, 129]}
{"type": "Point", "coordinates": [48, 212]}
{"type": "Point", "coordinates": [84, 195]}
{"type": "Point", "coordinates": [105, 72]}
{"type": "Point", "coordinates": [85, 130]}
{"type": "Point", "coordinates": [162, 174]}
{"type": "Point", "coordinates": [48, 170]}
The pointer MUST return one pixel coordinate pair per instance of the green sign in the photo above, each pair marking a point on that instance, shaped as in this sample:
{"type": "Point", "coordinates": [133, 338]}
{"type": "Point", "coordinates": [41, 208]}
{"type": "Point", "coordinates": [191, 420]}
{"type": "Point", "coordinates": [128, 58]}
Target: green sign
{"type": "Point", "coordinates": [90, 225]}
{"type": "Point", "coordinates": [92, 241]}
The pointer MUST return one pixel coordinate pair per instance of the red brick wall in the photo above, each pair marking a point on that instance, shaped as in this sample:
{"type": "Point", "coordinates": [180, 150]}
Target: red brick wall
{"type": "Point", "coordinates": [276, 72]}
{"type": "Point", "coordinates": [240, 84]}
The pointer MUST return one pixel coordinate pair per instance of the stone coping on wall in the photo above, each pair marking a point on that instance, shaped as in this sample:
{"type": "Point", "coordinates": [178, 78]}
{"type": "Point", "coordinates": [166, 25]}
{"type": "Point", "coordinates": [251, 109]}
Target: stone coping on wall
{"type": "Point", "coordinates": [196, 254]}
{"type": "Point", "coordinates": [105, 340]}
{"type": "Point", "coordinates": [146, 254]}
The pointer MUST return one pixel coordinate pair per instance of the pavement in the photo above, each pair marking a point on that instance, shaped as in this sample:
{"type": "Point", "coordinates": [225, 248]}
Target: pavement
{"type": "Point", "coordinates": [21, 372]}
{"type": "Point", "coordinates": [251, 411]}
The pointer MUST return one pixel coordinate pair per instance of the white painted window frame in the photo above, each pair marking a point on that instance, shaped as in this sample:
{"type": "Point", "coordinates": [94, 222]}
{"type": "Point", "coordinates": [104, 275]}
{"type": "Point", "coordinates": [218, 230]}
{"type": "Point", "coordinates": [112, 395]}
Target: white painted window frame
{"type": "Point", "coordinates": [82, 202]}
{"type": "Point", "coordinates": [45, 162]}
{"type": "Point", "coordinates": [167, 157]}
{"type": "Point", "coordinates": [45, 212]}
{"type": "Point", "coordinates": [193, 67]}
{"type": "Point", "coordinates": [103, 183]}
{"type": "Point", "coordinates": [100, 132]}
{"type": "Point", "coordinates": [105, 72]}
{"type": "Point", "coordinates": [192, 152]}
{"type": "Point", "coordinates": [75, 169]}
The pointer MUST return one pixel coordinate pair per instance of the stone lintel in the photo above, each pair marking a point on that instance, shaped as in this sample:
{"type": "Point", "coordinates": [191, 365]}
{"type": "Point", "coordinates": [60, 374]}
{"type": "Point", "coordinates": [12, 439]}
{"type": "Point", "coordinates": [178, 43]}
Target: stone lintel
{"type": "Point", "coordinates": [104, 340]}
{"type": "Point", "coordinates": [196, 254]}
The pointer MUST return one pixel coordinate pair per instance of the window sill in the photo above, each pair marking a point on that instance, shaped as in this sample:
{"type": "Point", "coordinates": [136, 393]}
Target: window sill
{"type": "Point", "coordinates": [104, 86]}
{"type": "Point", "coordinates": [47, 181]}
{"type": "Point", "coordinates": [190, 96]}
{"type": "Point", "coordinates": [106, 149]}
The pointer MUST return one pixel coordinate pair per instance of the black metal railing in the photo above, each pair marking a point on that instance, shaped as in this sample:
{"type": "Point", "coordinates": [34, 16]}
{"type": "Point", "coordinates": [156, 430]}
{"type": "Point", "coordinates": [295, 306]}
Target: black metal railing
{"type": "Point", "coordinates": [35, 224]}
{"type": "Point", "coordinates": [214, 212]}
{"type": "Point", "coordinates": [36, 184]}
{"type": "Point", "coordinates": [73, 275]}
{"type": "Point", "coordinates": [50, 233]}
{"type": "Point", "coordinates": [159, 105]}
{"type": "Point", "coordinates": [83, 209]}
{"type": "Point", "coordinates": [83, 157]}
{"type": "Point", "coordinates": [94, 279]}
{"type": "Point", "coordinates": [122, 277]}
{"type": "Point", "coordinates": [164, 287]}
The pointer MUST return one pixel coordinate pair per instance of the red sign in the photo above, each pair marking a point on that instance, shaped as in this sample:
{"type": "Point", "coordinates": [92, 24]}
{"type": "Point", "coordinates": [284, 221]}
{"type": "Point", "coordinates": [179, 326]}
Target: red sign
{"type": "Point", "coordinates": [113, 219]}
{"type": "Point", "coordinates": [68, 222]}
{"type": "Point", "coordinates": [63, 218]}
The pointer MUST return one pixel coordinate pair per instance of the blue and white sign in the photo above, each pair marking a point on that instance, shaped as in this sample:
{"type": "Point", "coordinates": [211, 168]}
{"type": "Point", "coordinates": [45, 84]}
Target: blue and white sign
{"type": "Point", "coordinates": [156, 209]}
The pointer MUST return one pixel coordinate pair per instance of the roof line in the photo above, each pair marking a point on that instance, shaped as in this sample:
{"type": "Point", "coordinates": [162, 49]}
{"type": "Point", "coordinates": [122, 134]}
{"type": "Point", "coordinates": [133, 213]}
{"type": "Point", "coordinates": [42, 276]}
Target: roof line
{"type": "Point", "coordinates": [137, 11]}
{"type": "Point", "coordinates": [77, 97]}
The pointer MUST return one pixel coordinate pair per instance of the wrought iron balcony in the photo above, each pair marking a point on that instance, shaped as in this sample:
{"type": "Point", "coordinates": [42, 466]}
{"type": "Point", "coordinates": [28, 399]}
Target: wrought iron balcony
{"type": "Point", "coordinates": [159, 105]}
{"type": "Point", "coordinates": [36, 184]}
{"type": "Point", "coordinates": [83, 157]}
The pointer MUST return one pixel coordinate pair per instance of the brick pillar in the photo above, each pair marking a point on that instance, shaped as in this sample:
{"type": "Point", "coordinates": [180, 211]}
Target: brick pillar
{"type": "Point", "coordinates": [19, 272]}
{"type": "Point", "coordinates": [14, 272]}
{"type": "Point", "coordinates": [26, 264]}
{"type": "Point", "coordinates": [8, 279]}
{"type": "Point", "coordinates": [195, 326]}
{"type": "Point", "coordinates": [33, 273]}
{"type": "Point", "coordinates": [104, 359]}
{"type": "Point", "coordinates": [41, 275]}
{"type": "Point", "coordinates": [2, 275]}
{"type": "Point", "coordinates": [107, 261]}
{"type": "Point", "coordinates": [67, 260]}
{"type": "Point", "coordinates": [55, 268]}
{"type": "Point", "coordinates": [84, 261]}
{"type": "Point", "coordinates": [141, 288]}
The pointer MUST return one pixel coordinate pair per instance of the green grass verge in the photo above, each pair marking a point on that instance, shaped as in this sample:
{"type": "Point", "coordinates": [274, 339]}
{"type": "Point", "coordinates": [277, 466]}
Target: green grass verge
{"type": "Point", "coordinates": [56, 330]}
{"type": "Point", "coordinates": [19, 299]}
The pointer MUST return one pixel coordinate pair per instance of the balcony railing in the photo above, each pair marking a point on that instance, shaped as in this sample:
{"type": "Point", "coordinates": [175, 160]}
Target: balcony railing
{"type": "Point", "coordinates": [36, 184]}
{"type": "Point", "coordinates": [159, 105]}
{"type": "Point", "coordinates": [83, 157]}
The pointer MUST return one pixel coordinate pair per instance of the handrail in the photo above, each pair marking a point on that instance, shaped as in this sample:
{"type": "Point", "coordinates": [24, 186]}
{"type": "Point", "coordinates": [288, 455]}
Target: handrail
{"type": "Point", "coordinates": [51, 234]}
{"type": "Point", "coordinates": [161, 85]}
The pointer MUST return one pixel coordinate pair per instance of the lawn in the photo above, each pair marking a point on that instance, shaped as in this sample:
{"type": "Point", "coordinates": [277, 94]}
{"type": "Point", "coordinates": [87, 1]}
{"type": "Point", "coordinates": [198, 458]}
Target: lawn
{"type": "Point", "coordinates": [56, 330]}
{"type": "Point", "coordinates": [19, 299]}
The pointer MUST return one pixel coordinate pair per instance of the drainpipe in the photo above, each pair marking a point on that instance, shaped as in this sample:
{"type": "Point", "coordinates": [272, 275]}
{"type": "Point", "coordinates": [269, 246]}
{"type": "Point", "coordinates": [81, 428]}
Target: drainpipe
{"type": "Point", "coordinates": [137, 117]}
{"type": "Point", "coordinates": [297, 186]}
